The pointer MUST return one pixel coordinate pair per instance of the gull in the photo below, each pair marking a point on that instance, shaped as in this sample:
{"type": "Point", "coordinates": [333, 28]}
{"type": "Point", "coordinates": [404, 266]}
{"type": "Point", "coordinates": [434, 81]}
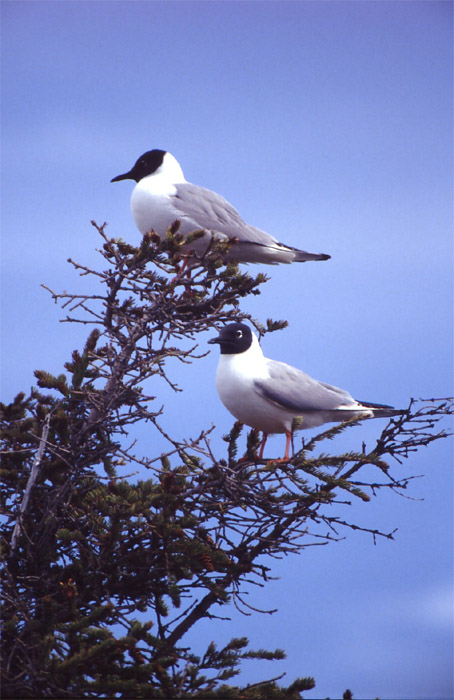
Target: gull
{"type": "Point", "coordinates": [274, 397]}
{"type": "Point", "coordinates": [163, 195]}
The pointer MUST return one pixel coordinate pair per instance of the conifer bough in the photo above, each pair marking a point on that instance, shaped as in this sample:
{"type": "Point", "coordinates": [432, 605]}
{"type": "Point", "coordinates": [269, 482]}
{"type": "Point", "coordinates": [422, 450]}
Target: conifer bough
{"type": "Point", "coordinates": [113, 553]}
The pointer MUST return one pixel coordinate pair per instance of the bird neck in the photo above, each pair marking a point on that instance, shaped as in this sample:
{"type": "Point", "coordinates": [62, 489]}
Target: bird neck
{"type": "Point", "coordinates": [170, 170]}
{"type": "Point", "coordinates": [250, 363]}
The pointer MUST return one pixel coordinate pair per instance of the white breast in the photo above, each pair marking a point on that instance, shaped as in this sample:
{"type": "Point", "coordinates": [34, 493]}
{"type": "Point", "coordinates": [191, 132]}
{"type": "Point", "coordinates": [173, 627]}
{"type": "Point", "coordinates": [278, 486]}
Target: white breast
{"type": "Point", "coordinates": [152, 208]}
{"type": "Point", "coordinates": [235, 384]}
{"type": "Point", "coordinates": [151, 199]}
{"type": "Point", "coordinates": [151, 205]}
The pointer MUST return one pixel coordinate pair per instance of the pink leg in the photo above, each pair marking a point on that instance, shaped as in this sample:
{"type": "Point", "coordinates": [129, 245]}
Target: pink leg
{"type": "Point", "coordinates": [286, 457]}
{"type": "Point", "coordinates": [183, 269]}
{"type": "Point", "coordinates": [262, 446]}
{"type": "Point", "coordinates": [287, 444]}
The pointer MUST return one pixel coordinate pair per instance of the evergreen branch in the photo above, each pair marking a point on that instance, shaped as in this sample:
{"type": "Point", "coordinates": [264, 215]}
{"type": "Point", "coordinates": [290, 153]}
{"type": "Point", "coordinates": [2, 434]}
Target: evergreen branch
{"type": "Point", "coordinates": [103, 545]}
{"type": "Point", "coordinates": [31, 482]}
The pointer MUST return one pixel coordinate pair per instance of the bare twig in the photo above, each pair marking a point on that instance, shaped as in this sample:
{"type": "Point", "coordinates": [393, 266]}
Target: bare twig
{"type": "Point", "coordinates": [31, 481]}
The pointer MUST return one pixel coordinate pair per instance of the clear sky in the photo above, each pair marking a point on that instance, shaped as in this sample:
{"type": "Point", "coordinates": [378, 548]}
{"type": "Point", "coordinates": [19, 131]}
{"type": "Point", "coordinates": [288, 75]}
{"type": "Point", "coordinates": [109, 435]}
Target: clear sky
{"type": "Point", "coordinates": [329, 125]}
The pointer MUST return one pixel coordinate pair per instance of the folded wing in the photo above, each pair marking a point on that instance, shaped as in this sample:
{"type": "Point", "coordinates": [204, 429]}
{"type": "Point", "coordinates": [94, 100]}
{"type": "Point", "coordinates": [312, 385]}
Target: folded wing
{"type": "Point", "coordinates": [293, 390]}
{"type": "Point", "coordinates": [212, 212]}
{"type": "Point", "coordinates": [296, 391]}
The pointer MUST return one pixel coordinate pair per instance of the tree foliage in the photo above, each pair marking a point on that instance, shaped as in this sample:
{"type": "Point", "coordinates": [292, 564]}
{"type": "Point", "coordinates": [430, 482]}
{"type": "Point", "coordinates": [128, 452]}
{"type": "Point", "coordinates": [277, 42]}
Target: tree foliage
{"type": "Point", "coordinates": [105, 573]}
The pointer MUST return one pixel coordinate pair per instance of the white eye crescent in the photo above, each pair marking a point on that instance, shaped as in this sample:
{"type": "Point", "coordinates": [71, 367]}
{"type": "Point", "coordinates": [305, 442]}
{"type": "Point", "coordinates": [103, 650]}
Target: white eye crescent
{"type": "Point", "coordinates": [239, 334]}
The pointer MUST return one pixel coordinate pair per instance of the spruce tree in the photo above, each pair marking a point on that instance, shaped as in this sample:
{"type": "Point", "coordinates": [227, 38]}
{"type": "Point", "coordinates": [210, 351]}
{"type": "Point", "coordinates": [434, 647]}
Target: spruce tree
{"type": "Point", "coordinates": [105, 571]}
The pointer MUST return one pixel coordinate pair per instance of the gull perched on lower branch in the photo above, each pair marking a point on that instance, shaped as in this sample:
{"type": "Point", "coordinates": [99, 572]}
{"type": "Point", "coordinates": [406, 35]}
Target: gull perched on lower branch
{"type": "Point", "coordinates": [272, 396]}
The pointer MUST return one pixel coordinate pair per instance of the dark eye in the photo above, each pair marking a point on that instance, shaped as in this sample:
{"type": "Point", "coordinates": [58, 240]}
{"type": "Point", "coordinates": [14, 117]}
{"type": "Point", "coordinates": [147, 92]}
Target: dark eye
{"type": "Point", "coordinates": [239, 334]}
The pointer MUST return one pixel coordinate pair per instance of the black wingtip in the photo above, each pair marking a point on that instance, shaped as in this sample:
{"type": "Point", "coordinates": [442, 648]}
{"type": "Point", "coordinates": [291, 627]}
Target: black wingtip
{"type": "Point", "coordinates": [303, 256]}
{"type": "Point", "coordinates": [382, 410]}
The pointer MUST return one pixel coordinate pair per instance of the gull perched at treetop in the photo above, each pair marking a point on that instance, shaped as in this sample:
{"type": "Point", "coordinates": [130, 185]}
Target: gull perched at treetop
{"type": "Point", "coordinates": [162, 195]}
{"type": "Point", "coordinates": [269, 395]}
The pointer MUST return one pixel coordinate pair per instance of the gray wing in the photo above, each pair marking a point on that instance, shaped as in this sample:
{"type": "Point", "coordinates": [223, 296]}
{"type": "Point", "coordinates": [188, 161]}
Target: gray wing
{"type": "Point", "coordinates": [210, 211]}
{"type": "Point", "coordinates": [294, 390]}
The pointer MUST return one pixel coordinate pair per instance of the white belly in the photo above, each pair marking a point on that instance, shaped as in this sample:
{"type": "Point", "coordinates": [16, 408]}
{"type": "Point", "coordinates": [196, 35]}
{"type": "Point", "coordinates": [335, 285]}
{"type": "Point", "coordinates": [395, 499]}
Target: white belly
{"type": "Point", "coordinates": [238, 394]}
{"type": "Point", "coordinates": [154, 211]}
{"type": "Point", "coordinates": [151, 211]}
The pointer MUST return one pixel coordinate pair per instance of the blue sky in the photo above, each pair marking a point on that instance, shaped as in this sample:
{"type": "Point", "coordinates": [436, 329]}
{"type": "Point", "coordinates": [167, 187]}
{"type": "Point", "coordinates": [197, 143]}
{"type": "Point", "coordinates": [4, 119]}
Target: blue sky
{"type": "Point", "coordinates": [329, 125]}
